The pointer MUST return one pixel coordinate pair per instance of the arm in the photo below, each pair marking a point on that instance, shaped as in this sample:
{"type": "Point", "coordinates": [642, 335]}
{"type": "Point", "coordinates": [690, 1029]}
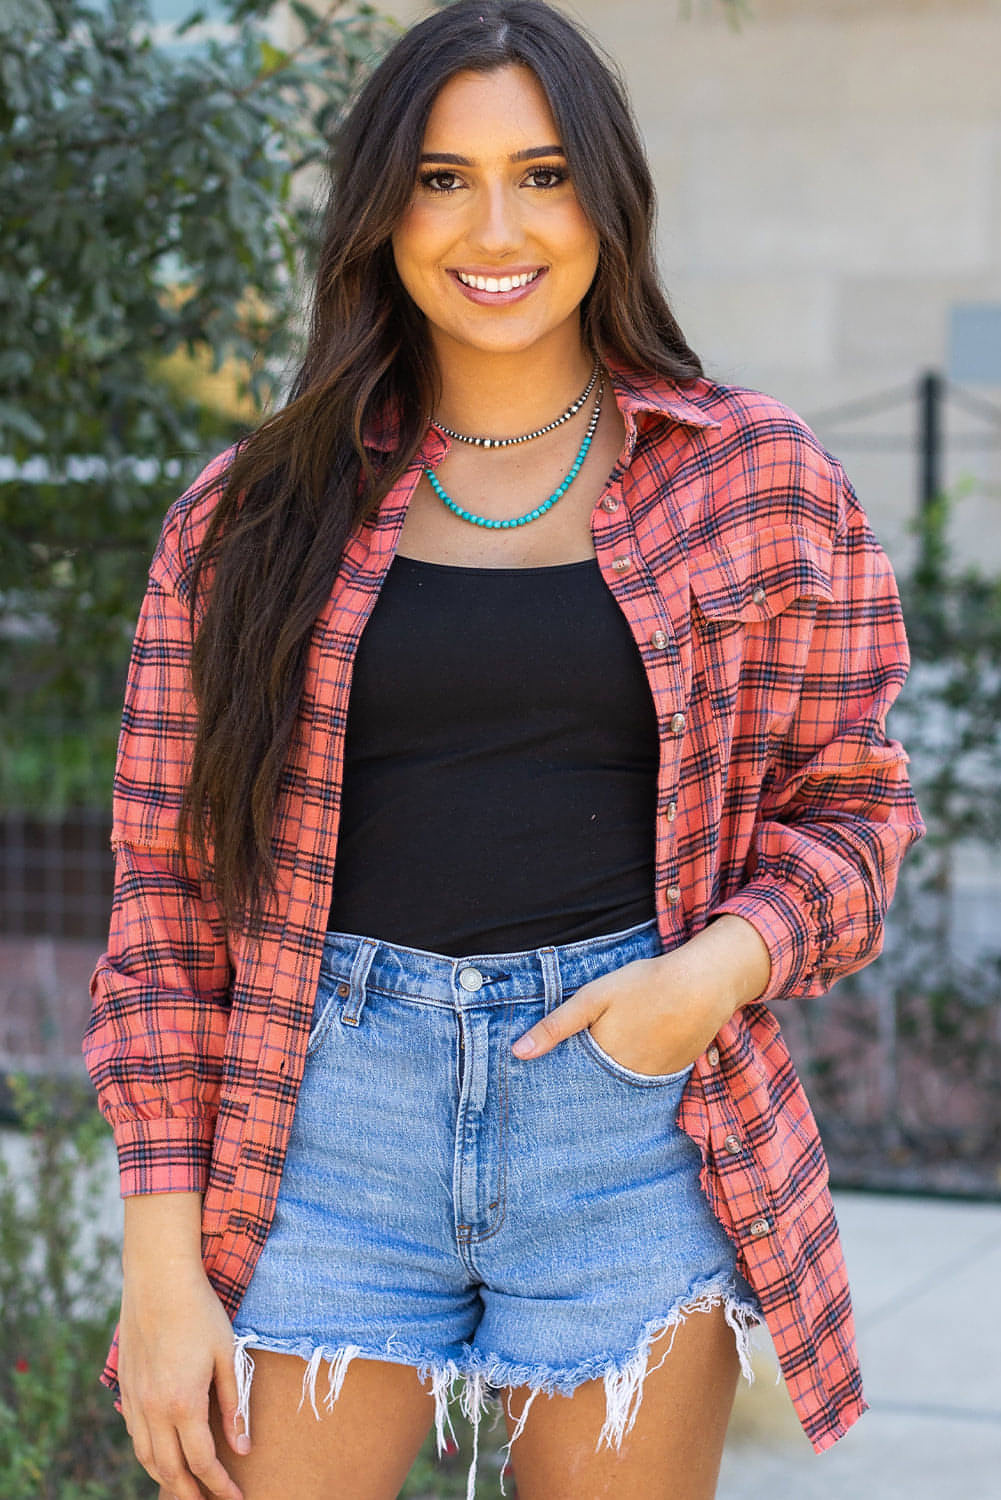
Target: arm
{"type": "Point", "coordinates": [154, 1049]}
{"type": "Point", "coordinates": [175, 1340]}
{"type": "Point", "coordinates": [157, 1030]}
{"type": "Point", "coordinates": [838, 814]}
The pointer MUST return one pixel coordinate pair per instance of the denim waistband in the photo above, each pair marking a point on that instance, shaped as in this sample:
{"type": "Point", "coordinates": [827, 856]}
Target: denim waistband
{"type": "Point", "coordinates": [476, 979]}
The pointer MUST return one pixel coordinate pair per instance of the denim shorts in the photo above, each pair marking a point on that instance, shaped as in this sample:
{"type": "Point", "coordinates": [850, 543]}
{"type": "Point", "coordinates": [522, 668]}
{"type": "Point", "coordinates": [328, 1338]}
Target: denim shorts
{"type": "Point", "coordinates": [487, 1220]}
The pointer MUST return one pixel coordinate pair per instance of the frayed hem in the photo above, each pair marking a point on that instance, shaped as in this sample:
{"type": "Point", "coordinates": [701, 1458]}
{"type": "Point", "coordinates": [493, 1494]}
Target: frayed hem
{"type": "Point", "coordinates": [624, 1378]}
{"type": "Point", "coordinates": [442, 1374]}
{"type": "Point", "coordinates": [485, 1377]}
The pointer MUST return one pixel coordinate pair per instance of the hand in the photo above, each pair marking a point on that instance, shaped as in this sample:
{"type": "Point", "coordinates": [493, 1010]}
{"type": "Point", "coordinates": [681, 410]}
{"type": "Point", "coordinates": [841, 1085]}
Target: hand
{"type": "Point", "coordinates": [657, 1015]}
{"type": "Point", "coordinates": [635, 1018]}
{"type": "Point", "coordinates": [174, 1339]}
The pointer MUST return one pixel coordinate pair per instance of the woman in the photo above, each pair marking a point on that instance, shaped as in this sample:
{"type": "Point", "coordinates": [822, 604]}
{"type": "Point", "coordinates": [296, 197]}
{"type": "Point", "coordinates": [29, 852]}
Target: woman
{"type": "Point", "coordinates": [529, 748]}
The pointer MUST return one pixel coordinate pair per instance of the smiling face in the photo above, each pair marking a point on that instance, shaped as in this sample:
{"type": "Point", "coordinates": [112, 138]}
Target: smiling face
{"type": "Point", "coordinates": [494, 247]}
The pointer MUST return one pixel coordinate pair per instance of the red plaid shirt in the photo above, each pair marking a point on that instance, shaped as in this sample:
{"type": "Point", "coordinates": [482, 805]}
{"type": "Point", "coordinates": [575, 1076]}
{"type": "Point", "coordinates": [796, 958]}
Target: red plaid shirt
{"type": "Point", "coordinates": [768, 622]}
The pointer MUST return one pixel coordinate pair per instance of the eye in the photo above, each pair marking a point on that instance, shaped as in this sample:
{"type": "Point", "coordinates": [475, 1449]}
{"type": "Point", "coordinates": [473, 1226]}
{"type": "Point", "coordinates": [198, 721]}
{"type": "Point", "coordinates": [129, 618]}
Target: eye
{"type": "Point", "coordinates": [440, 180]}
{"type": "Point", "coordinates": [548, 177]}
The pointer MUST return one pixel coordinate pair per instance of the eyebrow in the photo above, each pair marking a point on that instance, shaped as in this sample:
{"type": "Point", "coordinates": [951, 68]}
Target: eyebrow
{"type": "Point", "coordinates": [530, 154]}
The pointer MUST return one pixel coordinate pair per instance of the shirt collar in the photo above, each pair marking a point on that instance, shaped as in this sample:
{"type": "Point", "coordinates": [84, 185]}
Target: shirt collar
{"type": "Point", "coordinates": [638, 393]}
{"type": "Point", "coordinates": [642, 393]}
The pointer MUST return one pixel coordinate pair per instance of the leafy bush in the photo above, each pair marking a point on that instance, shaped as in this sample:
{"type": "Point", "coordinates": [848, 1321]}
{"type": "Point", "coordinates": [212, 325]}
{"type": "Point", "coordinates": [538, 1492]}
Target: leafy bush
{"type": "Point", "coordinates": [60, 1437]}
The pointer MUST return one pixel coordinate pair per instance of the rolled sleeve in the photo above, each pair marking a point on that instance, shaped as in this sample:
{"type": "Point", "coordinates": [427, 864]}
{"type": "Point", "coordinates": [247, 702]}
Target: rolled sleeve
{"type": "Point", "coordinates": [838, 813]}
{"type": "Point", "coordinates": [160, 994]}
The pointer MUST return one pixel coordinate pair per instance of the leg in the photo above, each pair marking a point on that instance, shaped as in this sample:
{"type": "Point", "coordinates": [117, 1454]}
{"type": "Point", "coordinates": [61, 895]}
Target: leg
{"type": "Point", "coordinates": [362, 1449]}
{"type": "Point", "coordinates": [674, 1449]}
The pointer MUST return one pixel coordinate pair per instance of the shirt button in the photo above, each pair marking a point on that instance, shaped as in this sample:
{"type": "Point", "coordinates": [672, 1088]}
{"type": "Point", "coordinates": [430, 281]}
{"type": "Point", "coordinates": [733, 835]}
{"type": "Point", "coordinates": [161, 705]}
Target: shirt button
{"type": "Point", "coordinates": [470, 979]}
{"type": "Point", "coordinates": [344, 990]}
{"type": "Point", "coordinates": [673, 894]}
{"type": "Point", "coordinates": [610, 504]}
{"type": "Point", "coordinates": [677, 723]}
{"type": "Point", "coordinates": [659, 639]}
{"type": "Point", "coordinates": [759, 596]}
{"type": "Point", "coordinates": [712, 1055]}
{"type": "Point", "coordinates": [620, 564]}
{"type": "Point", "coordinates": [760, 1227]}
{"type": "Point", "coordinates": [672, 811]}
{"type": "Point", "coordinates": [733, 1146]}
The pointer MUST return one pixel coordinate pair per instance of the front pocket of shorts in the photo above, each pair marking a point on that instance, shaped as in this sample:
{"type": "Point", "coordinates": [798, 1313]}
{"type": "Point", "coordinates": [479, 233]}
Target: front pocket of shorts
{"type": "Point", "coordinates": [638, 1080]}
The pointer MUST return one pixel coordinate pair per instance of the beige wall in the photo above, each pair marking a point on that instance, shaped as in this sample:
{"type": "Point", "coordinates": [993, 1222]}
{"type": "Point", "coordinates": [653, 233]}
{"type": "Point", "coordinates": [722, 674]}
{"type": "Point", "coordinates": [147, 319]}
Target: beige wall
{"type": "Point", "coordinates": [830, 184]}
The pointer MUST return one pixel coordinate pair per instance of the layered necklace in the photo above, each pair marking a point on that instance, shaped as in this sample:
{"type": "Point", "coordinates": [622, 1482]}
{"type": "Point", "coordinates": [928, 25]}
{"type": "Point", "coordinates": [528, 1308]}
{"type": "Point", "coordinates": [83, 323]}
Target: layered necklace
{"type": "Point", "coordinates": [490, 522]}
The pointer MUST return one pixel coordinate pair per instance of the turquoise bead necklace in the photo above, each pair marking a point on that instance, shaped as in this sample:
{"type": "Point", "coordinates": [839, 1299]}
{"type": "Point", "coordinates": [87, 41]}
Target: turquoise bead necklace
{"type": "Point", "coordinates": [540, 510]}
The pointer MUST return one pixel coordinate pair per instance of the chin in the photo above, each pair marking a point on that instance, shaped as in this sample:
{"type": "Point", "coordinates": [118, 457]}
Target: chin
{"type": "Point", "coordinates": [511, 339]}
{"type": "Point", "coordinates": [510, 344]}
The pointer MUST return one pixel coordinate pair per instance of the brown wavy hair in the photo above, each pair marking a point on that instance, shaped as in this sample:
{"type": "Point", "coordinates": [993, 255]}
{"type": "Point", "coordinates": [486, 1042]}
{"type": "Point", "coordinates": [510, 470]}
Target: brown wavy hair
{"type": "Point", "coordinates": [297, 485]}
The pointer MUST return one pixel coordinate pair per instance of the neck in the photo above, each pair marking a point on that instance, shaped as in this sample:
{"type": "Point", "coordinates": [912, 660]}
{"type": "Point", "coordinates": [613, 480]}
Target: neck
{"type": "Point", "coordinates": [500, 395]}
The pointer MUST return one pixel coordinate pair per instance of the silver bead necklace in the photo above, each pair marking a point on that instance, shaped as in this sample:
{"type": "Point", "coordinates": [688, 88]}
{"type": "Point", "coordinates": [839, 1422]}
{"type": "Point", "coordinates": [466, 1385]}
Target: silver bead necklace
{"type": "Point", "coordinates": [485, 442]}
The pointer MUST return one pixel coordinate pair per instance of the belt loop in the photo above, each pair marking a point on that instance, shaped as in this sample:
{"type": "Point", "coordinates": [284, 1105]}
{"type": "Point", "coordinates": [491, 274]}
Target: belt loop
{"type": "Point", "coordinates": [551, 978]}
{"type": "Point", "coordinates": [355, 1003]}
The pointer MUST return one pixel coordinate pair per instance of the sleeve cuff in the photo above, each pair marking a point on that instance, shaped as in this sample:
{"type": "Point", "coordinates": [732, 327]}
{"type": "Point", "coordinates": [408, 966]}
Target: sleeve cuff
{"type": "Point", "coordinates": [780, 923]}
{"type": "Point", "coordinates": [166, 1155]}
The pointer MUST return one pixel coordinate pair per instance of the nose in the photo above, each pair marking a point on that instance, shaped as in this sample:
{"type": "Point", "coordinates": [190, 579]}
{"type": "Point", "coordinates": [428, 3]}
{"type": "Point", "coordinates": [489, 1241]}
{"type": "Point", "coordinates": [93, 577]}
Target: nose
{"type": "Point", "coordinates": [497, 228]}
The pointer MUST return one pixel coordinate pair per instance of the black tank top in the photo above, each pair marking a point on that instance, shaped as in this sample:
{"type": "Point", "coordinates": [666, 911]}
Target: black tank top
{"type": "Point", "coordinates": [500, 774]}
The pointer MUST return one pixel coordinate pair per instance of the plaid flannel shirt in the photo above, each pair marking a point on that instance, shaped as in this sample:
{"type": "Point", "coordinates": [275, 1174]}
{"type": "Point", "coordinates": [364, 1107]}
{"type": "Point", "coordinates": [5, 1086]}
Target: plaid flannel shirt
{"type": "Point", "coordinates": [768, 622]}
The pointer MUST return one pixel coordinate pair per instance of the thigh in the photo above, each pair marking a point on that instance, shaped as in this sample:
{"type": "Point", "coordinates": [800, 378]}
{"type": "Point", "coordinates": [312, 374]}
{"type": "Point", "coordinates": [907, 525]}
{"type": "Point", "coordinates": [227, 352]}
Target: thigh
{"type": "Point", "coordinates": [362, 1449]}
{"type": "Point", "coordinates": [674, 1449]}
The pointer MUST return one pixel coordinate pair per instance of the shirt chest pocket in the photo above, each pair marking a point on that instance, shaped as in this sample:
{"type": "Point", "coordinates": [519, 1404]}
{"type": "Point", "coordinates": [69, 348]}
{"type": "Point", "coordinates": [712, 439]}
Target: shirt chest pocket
{"type": "Point", "coordinates": [754, 602]}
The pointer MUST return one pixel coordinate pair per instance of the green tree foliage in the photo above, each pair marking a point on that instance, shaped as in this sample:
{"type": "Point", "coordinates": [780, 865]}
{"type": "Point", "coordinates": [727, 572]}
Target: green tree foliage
{"type": "Point", "coordinates": [155, 205]}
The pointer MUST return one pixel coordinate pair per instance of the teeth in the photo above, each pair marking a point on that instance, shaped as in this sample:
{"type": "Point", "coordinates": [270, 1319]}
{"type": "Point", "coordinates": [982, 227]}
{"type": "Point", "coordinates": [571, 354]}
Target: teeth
{"type": "Point", "coordinates": [497, 283]}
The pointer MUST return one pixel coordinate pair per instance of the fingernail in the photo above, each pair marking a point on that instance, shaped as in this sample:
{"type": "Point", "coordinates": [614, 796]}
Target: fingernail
{"type": "Point", "coordinates": [524, 1046]}
{"type": "Point", "coordinates": [243, 1443]}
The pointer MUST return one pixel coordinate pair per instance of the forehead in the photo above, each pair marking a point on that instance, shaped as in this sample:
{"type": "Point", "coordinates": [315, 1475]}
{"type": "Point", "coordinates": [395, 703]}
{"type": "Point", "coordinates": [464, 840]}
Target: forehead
{"type": "Point", "coordinates": [485, 115]}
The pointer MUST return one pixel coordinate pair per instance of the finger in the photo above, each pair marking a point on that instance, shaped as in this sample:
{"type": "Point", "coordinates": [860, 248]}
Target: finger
{"type": "Point", "coordinates": [142, 1447]}
{"type": "Point", "coordinates": [203, 1462]}
{"type": "Point", "coordinates": [169, 1468]}
{"type": "Point", "coordinates": [172, 1468]}
{"type": "Point", "coordinates": [237, 1430]}
{"type": "Point", "coordinates": [573, 1015]}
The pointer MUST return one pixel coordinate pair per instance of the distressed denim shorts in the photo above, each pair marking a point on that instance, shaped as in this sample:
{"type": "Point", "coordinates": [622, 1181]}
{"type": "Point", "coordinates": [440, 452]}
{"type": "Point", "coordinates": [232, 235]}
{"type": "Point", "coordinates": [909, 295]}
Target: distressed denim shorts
{"type": "Point", "coordinates": [487, 1220]}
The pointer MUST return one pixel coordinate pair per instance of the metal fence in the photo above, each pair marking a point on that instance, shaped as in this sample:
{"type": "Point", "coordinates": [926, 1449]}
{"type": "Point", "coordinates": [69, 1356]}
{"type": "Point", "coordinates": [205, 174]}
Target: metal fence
{"type": "Point", "coordinates": [55, 875]}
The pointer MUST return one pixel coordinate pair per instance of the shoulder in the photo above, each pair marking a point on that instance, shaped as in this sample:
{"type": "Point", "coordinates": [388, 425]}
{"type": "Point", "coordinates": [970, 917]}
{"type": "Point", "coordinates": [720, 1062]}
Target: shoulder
{"type": "Point", "coordinates": [185, 525]}
{"type": "Point", "coordinates": [769, 467]}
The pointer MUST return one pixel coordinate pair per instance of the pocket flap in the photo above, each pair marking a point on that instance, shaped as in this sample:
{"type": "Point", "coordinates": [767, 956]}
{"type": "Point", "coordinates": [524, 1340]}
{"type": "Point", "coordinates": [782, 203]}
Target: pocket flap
{"type": "Point", "coordinates": [756, 575]}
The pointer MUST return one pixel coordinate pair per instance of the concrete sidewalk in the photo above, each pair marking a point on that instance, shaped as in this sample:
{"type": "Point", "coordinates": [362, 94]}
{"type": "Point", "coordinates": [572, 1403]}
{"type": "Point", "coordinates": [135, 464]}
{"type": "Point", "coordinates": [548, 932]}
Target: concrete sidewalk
{"type": "Point", "coordinates": [926, 1277]}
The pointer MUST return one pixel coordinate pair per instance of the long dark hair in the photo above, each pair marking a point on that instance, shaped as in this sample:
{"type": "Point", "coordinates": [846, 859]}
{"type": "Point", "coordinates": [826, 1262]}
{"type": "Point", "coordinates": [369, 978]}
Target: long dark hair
{"type": "Point", "coordinates": [298, 485]}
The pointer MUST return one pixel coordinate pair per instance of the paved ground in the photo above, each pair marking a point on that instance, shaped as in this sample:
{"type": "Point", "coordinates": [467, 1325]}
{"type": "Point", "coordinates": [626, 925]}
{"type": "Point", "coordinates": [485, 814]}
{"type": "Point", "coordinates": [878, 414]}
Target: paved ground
{"type": "Point", "coordinates": [926, 1275]}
